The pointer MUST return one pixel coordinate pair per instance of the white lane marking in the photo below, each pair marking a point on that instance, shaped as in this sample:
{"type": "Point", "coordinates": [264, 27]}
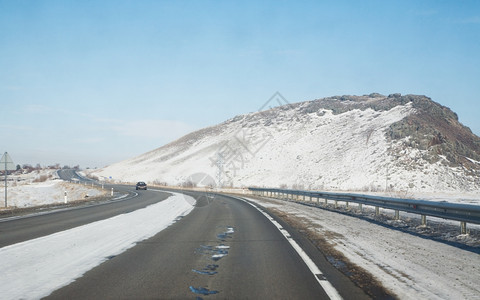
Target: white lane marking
{"type": "Point", "coordinates": [331, 292]}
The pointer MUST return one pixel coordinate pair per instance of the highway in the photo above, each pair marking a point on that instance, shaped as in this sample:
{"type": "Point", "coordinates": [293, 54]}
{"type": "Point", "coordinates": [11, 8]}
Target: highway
{"type": "Point", "coordinates": [223, 249]}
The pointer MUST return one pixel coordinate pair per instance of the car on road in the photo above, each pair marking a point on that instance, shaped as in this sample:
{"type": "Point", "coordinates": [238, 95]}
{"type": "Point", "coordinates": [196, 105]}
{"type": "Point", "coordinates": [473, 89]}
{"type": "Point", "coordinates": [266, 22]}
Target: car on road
{"type": "Point", "coordinates": [141, 186]}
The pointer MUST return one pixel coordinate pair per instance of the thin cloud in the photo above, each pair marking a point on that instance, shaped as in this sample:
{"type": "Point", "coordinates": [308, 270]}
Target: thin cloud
{"type": "Point", "coordinates": [11, 88]}
{"type": "Point", "coordinates": [158, 129]}
{"type": "Point", "coordinates": [471, 20]}
{"type": "Point", "coordinates": [37, 109]}
{"type": "Point", "coordinates": [425, 13]}
{"type": "Point", "coordinates": [92, 140]}
{"type": "Point", "coordinates": [16, 127]}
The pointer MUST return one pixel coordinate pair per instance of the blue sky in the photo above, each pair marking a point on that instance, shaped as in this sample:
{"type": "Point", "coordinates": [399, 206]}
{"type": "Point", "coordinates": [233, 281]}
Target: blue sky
{"type": "Point", "coordinates": [96, 82]}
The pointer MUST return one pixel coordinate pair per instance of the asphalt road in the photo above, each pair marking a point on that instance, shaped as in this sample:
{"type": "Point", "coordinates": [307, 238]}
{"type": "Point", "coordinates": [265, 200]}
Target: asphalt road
{"type": "Point", "coordinates": [22, 229]}
{"type": "Point", "coordinates": [178, 263]}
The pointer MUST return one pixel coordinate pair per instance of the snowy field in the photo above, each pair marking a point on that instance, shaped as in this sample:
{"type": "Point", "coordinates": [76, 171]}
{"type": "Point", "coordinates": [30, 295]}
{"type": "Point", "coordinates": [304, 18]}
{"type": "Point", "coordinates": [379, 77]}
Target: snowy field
{"type": "Point", "coordinates": [410, 266]}
{"type": "Point", "coordinates": [73, 252]}
{"type": "Point", "coordinates": [26, 191]}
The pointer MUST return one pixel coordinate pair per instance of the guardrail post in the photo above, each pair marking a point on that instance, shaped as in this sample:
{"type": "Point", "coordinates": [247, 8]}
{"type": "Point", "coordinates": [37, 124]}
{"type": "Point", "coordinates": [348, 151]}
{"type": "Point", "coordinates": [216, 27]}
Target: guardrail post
{"type": "Point", "coordinates": [463, 227]}
{"type": "Point", "coordinates": [326, 202]}
{"type": "Point", "coordinates": [336, 204]}
{"type": "Point", "coordinates": [397, 215]}
{"type": "Point", "coordinates": [424, 220]}
{"type": "Point", "coordinates": [111, 192]}
{"type": "Point", "coordinates": [347, 205]}
{"type": "Point", "coordinates": [361, 207]}
{"type": "Point", "coordinates": [303, 198]}
{"type": "Point", "coordinates": [377, 210]}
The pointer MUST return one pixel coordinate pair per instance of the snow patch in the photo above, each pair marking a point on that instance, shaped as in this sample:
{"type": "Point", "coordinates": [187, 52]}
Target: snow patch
{"type": "Point", "coordinates": [23, 191]}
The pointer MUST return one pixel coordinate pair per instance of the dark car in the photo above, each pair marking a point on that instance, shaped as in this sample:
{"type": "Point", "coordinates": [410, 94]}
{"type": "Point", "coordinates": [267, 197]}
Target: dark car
{"type": "Point", "coordinates": [141, 186]}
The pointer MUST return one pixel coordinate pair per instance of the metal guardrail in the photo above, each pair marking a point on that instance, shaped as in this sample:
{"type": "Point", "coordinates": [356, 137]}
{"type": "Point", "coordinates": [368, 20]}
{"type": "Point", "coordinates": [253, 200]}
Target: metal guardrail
{"type": "Point", "coordinates": [465, 213]}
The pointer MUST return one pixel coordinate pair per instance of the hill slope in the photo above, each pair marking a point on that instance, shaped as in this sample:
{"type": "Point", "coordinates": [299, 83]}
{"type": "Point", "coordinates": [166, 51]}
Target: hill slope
{"type": "Point", "coordinates": [368, 143]}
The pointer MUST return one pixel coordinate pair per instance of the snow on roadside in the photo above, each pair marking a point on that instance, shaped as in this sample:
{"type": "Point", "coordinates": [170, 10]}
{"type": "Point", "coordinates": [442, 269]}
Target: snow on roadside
{"type": "Point", "coordinates": [23, 191]}
{"type": "Point", "coordinates": [411, 267]}
{"type": "Point", "coordinates": [30, 269]}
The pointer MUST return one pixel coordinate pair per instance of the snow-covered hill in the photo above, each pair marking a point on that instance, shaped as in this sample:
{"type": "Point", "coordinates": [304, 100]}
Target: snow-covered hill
{"type": "Point", "coordinates": [361, 143]}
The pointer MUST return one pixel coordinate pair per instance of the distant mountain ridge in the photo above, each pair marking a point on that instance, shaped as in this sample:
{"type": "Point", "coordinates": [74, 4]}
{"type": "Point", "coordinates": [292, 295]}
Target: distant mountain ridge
{"type": "Point", "coordinates": [369, 143]}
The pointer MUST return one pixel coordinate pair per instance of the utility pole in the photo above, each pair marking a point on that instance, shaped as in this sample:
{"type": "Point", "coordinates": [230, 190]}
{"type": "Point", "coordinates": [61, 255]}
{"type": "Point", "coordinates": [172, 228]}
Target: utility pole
{"type": "Point", "coordinates": [8, 164]}
{"type": "Point", "coordinates": [5, 181]}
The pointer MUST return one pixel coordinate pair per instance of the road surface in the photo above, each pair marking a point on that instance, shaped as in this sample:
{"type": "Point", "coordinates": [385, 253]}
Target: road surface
{"type": "Point", "coordinates": [223, 249]}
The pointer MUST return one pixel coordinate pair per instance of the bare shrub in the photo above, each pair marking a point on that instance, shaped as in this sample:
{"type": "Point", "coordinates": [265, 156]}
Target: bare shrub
{"type": "Point", "coordinates": [42, 178]}
{"type": "Point", "coordinates": [298, 186]}
{"type": "Point", "coordinates": [188, 184]}
{"type": "Point", "coordinates": [94, 177]}
{"type": "Point", "coordinates": [159, 182]}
